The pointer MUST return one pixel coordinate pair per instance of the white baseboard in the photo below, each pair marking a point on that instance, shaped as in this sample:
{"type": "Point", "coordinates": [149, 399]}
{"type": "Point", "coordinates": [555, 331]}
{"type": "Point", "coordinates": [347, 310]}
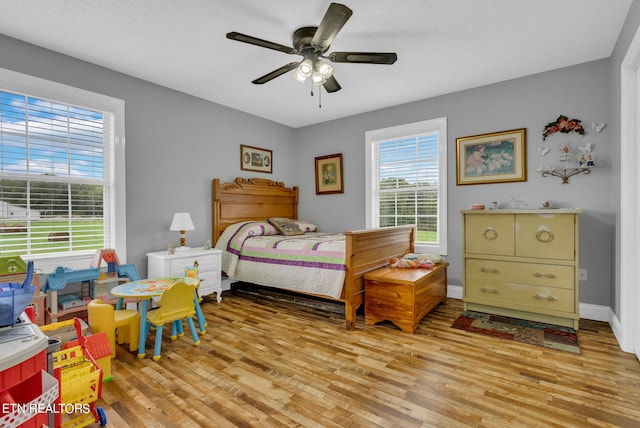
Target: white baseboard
{"type": "Point", "coordinates": [614, 322]}
{"type": "Point", "coordinates": [595, 312]}
{"type": "Point", "coordinates": [454, 291]}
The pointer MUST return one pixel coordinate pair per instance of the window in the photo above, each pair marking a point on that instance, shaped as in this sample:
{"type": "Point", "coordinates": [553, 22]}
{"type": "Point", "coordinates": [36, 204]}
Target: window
{"type": "Point", "coordinates": [59, 160]}
{"type": "Point", "coordinates": [406, 177]}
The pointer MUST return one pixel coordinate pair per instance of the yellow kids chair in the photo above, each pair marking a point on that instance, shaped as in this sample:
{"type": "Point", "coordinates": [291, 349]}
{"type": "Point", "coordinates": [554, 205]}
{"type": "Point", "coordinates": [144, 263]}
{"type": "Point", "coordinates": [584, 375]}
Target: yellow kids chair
{"type": "Point", "coordinates": [123, 324]}
{"type": "Point", "coordinates": [176, 304]}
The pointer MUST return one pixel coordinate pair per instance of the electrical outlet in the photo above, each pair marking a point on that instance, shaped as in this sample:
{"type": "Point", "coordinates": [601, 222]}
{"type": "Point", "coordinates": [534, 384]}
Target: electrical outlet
{"type": "Point", "coordinates": [582, 274]}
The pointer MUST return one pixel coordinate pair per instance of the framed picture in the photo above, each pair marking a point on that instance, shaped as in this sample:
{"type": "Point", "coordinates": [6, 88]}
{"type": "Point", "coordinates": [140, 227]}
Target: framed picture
{"type": "Point", "coordinates": [329, 174]}
{"type": "Point", "coordinates": [256, 159]}
{"type": "Point", "coordinates": [498, 157]}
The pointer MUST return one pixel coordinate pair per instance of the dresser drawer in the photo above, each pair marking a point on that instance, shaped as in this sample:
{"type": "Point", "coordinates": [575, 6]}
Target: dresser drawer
{"type": "Point", "coordinates": [511, 295]}
{"type": "Point", "coordinates": [545, 236]}
{"type": "Point", "coordinates": [205, 263]}
{"type": "Point", "coordinates": [523, 273]}
{"type": "Point", "coordinates": [209, 282]}
{"type": "Point", "coordinates": [489, 234]}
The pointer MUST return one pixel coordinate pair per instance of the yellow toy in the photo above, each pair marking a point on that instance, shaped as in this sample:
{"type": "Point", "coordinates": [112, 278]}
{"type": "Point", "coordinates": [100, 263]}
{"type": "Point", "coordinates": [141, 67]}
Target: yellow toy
{"type": "Point", "coordinates": [191, 272]}
{"type": "Point", "coordinates": [123, 324]}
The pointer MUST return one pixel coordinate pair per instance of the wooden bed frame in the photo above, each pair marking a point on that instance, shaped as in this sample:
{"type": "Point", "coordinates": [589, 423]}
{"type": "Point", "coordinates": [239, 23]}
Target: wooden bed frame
{"type": "Point", "coordinates": [257, 199]}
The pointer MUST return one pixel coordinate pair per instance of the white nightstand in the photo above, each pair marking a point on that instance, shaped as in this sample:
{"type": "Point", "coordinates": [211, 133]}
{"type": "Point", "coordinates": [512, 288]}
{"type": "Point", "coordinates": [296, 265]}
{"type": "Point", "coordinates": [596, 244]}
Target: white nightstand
{"type": "Point", "coordinates": [161, 264]}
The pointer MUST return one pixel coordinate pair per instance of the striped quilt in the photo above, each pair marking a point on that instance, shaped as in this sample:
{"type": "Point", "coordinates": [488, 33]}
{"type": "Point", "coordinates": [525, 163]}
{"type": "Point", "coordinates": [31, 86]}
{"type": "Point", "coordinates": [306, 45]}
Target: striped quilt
{"type": "Point", "coordinates": [311, 263]}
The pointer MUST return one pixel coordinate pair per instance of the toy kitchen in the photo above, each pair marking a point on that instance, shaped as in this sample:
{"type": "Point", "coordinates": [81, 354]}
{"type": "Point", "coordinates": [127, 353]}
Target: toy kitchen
{"type": "Point", "coordinates": [27, 389]}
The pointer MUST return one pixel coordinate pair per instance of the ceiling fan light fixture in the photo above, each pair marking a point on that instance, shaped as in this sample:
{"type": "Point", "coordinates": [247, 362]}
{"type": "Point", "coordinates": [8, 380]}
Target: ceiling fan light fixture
{"type": "Point", "coordinates": [306, 67]}
{"type": "Point", "coordinates": [304, 70]}
{"type": "Point", "coordinates": [317, 78]}
{"type": "Point", "coordinates": [324, 68]}
{"type": "Point", "coordinates": [299, 77]}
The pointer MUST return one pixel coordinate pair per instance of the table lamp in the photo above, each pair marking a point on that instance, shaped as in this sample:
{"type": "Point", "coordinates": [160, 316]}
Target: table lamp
{"type": "Point", "coordinates": [181, 222]}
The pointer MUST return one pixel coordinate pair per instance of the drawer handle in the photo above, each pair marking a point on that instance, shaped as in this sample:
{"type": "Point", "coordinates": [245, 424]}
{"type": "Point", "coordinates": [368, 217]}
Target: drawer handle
{"type": "Point", "coordinates": [490, 234]}
{"type": "Point", "coordinates": [489, 270]}
{"type": "Point", "coordinates": [549, 298]}
{"type": "Point", "coordinates": [544, 235]}
{"type": "Point", "coordinates": [542, 274]}
{"type": "Point", "coordinates": [489, 290]}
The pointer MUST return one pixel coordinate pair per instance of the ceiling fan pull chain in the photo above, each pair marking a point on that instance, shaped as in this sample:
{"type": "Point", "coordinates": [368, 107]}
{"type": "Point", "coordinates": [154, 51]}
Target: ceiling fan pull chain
{"type": "Point", "coordinates": [319, 96]}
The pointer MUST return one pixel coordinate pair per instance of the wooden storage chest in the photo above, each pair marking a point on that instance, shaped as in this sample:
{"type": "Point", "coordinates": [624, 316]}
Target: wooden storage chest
{"type": "Point", "coordinates": [403, 296]}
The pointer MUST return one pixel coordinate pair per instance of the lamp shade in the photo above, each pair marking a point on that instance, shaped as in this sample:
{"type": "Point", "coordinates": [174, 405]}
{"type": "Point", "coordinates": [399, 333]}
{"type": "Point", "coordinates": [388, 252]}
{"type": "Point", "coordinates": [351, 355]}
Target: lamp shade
{"type": "Point", "coordinates": [181, 221]}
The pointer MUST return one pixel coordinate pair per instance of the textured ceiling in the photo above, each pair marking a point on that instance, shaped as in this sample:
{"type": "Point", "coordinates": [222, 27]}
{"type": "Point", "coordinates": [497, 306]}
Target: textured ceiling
{"type": "Point", "coordinates": [443, 46]}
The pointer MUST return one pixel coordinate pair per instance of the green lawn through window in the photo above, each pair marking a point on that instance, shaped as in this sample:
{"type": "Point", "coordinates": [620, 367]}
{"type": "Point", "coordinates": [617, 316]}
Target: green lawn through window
{"type": "Point", "coordinates": [49, 237]}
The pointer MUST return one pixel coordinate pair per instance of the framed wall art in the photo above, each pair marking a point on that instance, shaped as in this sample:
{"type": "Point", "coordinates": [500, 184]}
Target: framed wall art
{"type": "Point", "coordinates": [498, 157]}
{"type": "Point", "coordinates": [256, 159]}
{"type": "Point", "coordinates": [329, 174]}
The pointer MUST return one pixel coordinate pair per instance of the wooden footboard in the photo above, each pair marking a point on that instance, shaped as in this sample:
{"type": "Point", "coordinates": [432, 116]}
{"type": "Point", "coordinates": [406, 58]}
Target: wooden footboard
{"type": "Point", "coordinates": [367, 250]}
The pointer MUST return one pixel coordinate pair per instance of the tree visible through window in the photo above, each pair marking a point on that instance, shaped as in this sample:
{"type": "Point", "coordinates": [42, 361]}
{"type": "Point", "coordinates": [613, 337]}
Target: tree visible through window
{"type": "Point", "coordinates": [53, 186]}
{"type": "Point", "coordinates": [406, 176]}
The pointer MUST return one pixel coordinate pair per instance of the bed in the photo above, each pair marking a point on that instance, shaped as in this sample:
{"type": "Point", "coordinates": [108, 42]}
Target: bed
{"type": "Point", "coordinates": [245, 201]}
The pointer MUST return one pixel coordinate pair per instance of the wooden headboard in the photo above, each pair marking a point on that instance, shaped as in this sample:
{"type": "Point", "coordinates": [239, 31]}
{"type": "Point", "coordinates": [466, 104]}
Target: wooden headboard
{"type": "Point", "coordinates": [248, 199]}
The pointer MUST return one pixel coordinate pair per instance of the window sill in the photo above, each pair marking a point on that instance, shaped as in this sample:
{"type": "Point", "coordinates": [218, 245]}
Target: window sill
{"type": "Point", "coordinates": [49, 263]}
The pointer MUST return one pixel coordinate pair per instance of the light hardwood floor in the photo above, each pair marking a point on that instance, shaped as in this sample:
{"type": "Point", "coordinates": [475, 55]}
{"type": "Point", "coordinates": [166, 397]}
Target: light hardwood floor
{"type": "Point", "coordinates": [281, 364]}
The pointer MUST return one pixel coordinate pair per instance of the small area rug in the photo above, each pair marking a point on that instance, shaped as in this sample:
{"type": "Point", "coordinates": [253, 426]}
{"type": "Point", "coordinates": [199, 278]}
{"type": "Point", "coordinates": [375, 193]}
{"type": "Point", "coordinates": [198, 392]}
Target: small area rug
{"type": "Point", "coordinates": [533, 333]}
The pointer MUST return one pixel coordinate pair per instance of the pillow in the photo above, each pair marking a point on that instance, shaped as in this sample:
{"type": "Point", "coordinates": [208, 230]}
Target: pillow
{"type": "Point", "coordinates": [235, 235]}
{"type": "Point", "coordinates": [305, 226]}
{"type": "Point", "coordinates": [285, 226]}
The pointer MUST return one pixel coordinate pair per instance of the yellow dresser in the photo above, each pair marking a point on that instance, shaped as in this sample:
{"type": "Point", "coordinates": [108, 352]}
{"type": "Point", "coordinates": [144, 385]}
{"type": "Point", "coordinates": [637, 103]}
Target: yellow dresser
{"type": "Point", "coordinates": [522, 264]}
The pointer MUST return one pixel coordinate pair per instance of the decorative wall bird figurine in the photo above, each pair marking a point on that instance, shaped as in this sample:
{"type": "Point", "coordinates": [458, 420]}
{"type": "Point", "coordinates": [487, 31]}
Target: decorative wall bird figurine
{"type": "Point", "coordinates": [586, 149]}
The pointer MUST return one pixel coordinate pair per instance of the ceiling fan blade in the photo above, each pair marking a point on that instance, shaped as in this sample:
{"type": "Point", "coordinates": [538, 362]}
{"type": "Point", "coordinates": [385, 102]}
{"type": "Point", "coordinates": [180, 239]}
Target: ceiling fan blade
{"type": "Point", "coordinates": [259, 42]}
{"type": "Point", "coordinates": [364, 57]}
{"type": "Point", "coordinates": [332, 22]}
{"type": "Point", "coordinates": [332, 85]}
{"type": "Point", "coordinates": [275, 73]}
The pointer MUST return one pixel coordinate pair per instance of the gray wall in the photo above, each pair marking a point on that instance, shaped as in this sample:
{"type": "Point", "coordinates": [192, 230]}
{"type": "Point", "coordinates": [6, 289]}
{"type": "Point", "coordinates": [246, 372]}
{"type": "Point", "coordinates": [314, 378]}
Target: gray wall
{"type": "Point", "coordinates": [177, 143]}
{"type": "Point", "coordinates": [531, 102]}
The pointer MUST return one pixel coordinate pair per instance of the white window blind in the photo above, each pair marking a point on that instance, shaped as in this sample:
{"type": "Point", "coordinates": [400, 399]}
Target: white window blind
{"type": "Point", "coordinates": [55, 189]}
{"type": "Point", "coordinates": [406, 178]}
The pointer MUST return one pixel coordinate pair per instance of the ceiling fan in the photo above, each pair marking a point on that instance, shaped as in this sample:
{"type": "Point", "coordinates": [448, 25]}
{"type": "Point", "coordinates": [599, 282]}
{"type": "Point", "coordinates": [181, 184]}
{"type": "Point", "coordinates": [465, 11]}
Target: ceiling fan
{"type": "Point", "coordinates": [312, 43]}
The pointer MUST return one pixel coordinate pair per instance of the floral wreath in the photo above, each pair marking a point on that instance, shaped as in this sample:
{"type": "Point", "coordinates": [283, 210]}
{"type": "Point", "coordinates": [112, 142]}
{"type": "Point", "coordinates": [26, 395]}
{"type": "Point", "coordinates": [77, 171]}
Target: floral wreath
{"type": "Point", "coordinates": [563, 124]}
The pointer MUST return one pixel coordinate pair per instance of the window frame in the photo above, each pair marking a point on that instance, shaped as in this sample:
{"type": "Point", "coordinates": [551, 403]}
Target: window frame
{"type": "Point", "coordinates": [373, 137]}
{"type": "Point", "coordinates": [41, 88]}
